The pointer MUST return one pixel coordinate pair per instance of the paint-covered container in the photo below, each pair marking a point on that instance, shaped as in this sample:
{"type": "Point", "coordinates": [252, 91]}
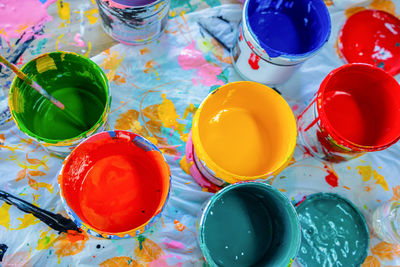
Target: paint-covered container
{"type": "Point", "coordinates": [276, 36]}
{"type": "Point", "coordinates": [242, 131]}
{"type": "Point", "coordinates": [249, 224]}
{"type": "Point", "coordinates": [386, 222]}
{"type": "Point", "coordinates": [75, 81]}
{"type": "Point", "coordinates": [115, 184]}
{"type": "Point", "coordinates": [134, 22]}
{"type": "Point", "coordinates": [333, 232]}
{"type": "Point", "coordinates": [372, 37]}
{"type": "Point", "coordinates": [356, 110]}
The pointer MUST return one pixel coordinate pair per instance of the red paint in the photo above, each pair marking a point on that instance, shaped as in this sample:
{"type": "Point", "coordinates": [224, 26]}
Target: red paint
{"type": "Point", "coordinates": [359, 107]}
{"type": "Point", "coordinates": [373, 37]}
{"type": "Point", "coordinates": [253, 61]}
{"type": "Point", "coordinates": [74, 236]}
{"type": "Point", "coordinates": [114, 185]}
{"type": "Point", "coordinates": [331, 178]}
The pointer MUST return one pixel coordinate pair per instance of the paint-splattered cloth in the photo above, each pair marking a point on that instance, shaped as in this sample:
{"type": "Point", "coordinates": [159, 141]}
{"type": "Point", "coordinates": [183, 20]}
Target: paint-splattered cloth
{"type": "Point", "coordinates": [156, 89]}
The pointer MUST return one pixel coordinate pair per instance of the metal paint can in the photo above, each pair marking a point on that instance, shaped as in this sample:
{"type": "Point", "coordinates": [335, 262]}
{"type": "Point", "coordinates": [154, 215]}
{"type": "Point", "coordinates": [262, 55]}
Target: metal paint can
{"type": "Point", "coordinates": [238, 150]}
{"type": "Point", "coordinates": [56, 72]}
{"type": "Point", "coordinates": [258, 60]}
{"type": "Point", "coordinates": [134, 24]}
{"type": "Point", "coordinates": [356, 110]}
{"type": "Point", "coordinates": [73, 179]}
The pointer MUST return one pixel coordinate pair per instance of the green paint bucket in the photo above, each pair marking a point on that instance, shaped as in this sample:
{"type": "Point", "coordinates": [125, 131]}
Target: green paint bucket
{"type": "Point", "coordinates": [74, 80]}
{"type": "Point", "coordinates": [249, 224]}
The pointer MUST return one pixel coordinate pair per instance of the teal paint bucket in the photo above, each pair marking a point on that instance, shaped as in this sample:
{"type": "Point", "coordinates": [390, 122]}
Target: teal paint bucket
{"type": "Point", "coordinates": [249, 224]}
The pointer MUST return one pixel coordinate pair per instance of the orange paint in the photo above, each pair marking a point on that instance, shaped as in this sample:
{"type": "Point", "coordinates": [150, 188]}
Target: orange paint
{"type": "Point", "coordinates": [179, 226]}
{"type": "Point", "coordinates": [115, 182]}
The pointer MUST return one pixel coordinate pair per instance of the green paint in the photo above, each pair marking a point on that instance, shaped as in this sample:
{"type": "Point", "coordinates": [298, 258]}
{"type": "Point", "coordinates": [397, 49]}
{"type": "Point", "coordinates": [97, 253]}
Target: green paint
{"type": "Point", "coordinates": [250, 224]}
{"type": "Point", "coordinates": [334, 233]}
{"type": "Point", "coordinates": [75, 81]}
{"type": "Point", "coordinates": [141, 239]}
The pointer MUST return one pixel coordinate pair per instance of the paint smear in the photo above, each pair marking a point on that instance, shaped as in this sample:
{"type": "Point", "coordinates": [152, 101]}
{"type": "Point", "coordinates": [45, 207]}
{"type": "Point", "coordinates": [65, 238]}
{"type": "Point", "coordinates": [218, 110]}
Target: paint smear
{"type": "Point", "coordinates": [78, 40]}
{"type": "Point", "coordinates": [372, 37]}
{"type": "Point", "coordinates": [22, 17]}
{"type": "Point", "coordinates": [206, 73]}
{"type": "Point", "coordinates": [5, 215]}
{"type": "Point", "coordinates": [122, 261]}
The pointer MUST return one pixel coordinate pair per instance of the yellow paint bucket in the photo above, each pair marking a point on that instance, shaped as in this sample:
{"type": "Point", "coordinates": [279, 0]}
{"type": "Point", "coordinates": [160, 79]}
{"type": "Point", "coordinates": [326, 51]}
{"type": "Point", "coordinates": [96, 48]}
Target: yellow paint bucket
{"type": "Point", "coordinates": [243, 131]}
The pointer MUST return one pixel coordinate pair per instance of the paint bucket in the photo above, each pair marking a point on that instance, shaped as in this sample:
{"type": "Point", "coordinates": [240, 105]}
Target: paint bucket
{"type": "Point", "coordinates": [386, 222]}
{"type": "Point", "coordinates": [115, 184]}
{"type": "Point", "coordinates": [74, 80]}
{"type": "Point", "coordinates": [333, 232]}
{"type": "Point", "coordinates": [373, 37]}
{"type": "Point", "coordinates": [275, 37]}
{"type": "Point", "coordinates": [249, 224]}
{"type": "Point", "coordinates": [242, 131]}
{"type": "Point", "coordinates": [356, 110]}
{"type": "Point", "coordinates": [134, 22]}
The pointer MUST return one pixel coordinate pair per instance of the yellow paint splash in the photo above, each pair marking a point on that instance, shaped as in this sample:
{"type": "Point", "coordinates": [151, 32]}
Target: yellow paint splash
{"type": "Point", "coordinates": [67, 246]}
{"type": "Point", "coordinates": [185, 166]}
{"type": "Point", "coordinates": [45, 241]}
{"type": "Point", "coordinates": [367, 173]}
{"type": "Point", "coordinates": [144, 51]}
{"type": "Point", "coordinates": [45, 63]}
{"type": "Point", "coordinates": [150, 67]}
{"type": "Point", "coordinates": [112, 63]}
{"type": "Point", "coordinates": [5, 215]}
{"type": "Point", "coordinates": [90, 15]}
{"type": "Point", "coordinates": [379, 179]}
{"type": "Point", "coordinates": [122, 261]}
{"type": "Point", "coordinates": [89, 48]}
{"type": "Point", "coordinates": [167, 113]}
{"type": "Point", "coordinates": [26, 221]}
{"type": "Point", "coordinates": [190, 109]}
{"type": "Point", "coordinates": [64, 11]}
{"type": "Point", "coordinates": [179, 226]}
{"type": "Point", "coordinates": [385, 5]}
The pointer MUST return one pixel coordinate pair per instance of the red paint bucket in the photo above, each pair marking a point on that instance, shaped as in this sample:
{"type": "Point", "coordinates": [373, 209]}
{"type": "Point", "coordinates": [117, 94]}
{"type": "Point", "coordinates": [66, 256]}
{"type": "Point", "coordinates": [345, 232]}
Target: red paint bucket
{"type": "Point", "coordinates": [356, 110]}
{"type": "Point", "coordinates": [115, 184]}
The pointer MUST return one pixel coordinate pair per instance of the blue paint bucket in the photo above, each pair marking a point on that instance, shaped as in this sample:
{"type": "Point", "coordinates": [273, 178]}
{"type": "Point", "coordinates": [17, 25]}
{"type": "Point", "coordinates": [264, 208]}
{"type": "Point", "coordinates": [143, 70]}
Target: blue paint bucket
{"type": "Point", "coordinates": [277, 35]}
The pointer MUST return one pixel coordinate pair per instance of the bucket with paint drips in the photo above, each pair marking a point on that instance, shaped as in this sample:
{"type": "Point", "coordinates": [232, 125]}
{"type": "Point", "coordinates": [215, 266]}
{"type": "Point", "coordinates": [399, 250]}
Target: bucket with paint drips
{"type": "Point", "coordinates": [134, 22]}
{"type": "Point", "coordinates": [275, 37]}
{"type": "Point", "coordinates": [356, 110]}
{"type": "Point", "coordinates": [249, 224]}
{"type": "Point", "coordinates": [241, 131]}
{"type": "Point", "coordinates": [74, 80]}
{"type": "Point", "coordinates": [115, 184]}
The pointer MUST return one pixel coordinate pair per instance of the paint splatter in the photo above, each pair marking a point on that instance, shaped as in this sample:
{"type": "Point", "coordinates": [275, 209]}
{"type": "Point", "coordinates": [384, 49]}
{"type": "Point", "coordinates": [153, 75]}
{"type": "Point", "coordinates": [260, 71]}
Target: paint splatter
{"type": "Point", "coordinates": [64, 12]}
{"type": "Point", "coordinates": [179, 226]}
{"type": "Point", "coordinates": [172, 244]}
{"type": "Point", "coordinates": [185, 166]}
{"type": "Point", "coordinates": [17, 259]}
{"type": "Point", "coordinates": [26, 221]}
{"type": "Point", "coordinates": [3, 249]}
{"type": "Point", "coordinates": [371, 261]}
{"type": "Point", "coordinates": [45, 240]}
{"type": "Point", "coordinates": [112, 63]}
{"type": "Point", "coordinates": [67, 244]}
{"type": "Point", "coordinates": [5, 215]}
{"type": "Point", "coordinates": [206, 73]}
{"type": "Point", "coordinates": [386, 251]}
{"type": "Point", "coordinates": [396, 193]}
{"type": "Point", "coordinates": [144, 51]}
{"type": "Point", "coordinates": [147, 250]}
{"type": "Point", "coordinates": [167, 113]}
{"type": "Point", "coordinates": [253, 61]}
{"type": "Point", "coordinates": [22, 18]}
{"type": "Point", "coordinates": [90, 15]}
{"type": "Point", "coordinates": [122, 261]}
{"type": "Point", "coordinates": [332, 178]}
{"type": "Point", "coordinates": [367, 173]}
{"type": "Point", "coordinates": [78, 40]}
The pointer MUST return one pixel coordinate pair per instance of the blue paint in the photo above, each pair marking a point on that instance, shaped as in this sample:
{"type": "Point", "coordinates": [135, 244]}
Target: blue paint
{"type": "Point", "coordinates": [39, 47]}
{"type": "Point", "coordinates": [289, 27]}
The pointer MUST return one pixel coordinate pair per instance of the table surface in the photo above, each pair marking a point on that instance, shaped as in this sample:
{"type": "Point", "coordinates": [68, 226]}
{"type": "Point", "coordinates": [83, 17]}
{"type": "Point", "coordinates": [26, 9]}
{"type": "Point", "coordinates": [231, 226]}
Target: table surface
{"type": "Point", "coordinates": [156, 89]}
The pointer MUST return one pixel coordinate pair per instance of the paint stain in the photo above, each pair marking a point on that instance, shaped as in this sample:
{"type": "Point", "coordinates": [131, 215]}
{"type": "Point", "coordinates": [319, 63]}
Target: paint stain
{"type": "Point", "coordinates": [253, 61]}
{"type": "Point", "coordinates": [332, 178]}
{"type": "Point", "coordinates": [3, 249]}
{"type": "Point", "coordinates": [5, 215]}
{"type": "Point", "coordinates": [144, 51]}
{"type": "Point", "coordinates": [167, 113]}
{"type": "Point", "coordinates": [172, 244]}
{"type": "Point", "coordinates": [179, 226]}
{"type": "Point", "coordinates": [105, 177]}
{"type": "Point", "coordinates": [112, 63]}
{"type": "Point", "coordinates": [78, 40]}
{"type": "Point", "coordinates": [64, 11]}
{"type": "Point", "coordinates": [185, 165]}
{"type": "Point", "coordinates": [370, 36]}
{"type": "Point", "coordinates": [122, 261]}
{"type": "Point", "coordinates": [90, 15]}
{"type": "Point", "coordinates": [147, 250]}
{"type": "Point", "coordinates": [27, 221]}
{"type": "Point", "coordinates": [45, 240]}
{"type": "Point", "coordinates": [367, 173]}
{"type": "Point", "coordinates": [63, 246]}
{"type": "Point", "coordinates": [24, 17]}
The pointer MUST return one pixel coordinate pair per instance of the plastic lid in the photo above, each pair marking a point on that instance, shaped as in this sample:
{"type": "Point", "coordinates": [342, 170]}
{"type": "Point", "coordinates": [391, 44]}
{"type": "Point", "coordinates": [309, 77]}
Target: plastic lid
{"type": "Point", "coordinates": [333, 231]}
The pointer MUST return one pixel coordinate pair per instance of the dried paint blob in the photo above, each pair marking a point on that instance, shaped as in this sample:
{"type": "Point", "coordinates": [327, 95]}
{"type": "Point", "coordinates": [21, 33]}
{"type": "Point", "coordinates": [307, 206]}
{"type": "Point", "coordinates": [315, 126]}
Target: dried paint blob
{"type": "Point", "coordinates": [333, 232]}
{"type": "Point", "coordinates": [115, 182]}
{"type": "Point", "coordinates": [249, 224]}
{"type": "Point", "coordinates": [373, 37]}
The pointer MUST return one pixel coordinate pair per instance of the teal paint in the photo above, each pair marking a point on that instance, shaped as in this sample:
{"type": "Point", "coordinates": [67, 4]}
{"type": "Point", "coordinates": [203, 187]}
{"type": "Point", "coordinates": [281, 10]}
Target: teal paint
{"type": "Point", "coordinates": [334, 232]}
{"type": "Point", "coordinates": [40, 46]}
{"type": "Point", "coordinates": [213, 3]}
{"type": "Point", "coordinates": [249, 224]}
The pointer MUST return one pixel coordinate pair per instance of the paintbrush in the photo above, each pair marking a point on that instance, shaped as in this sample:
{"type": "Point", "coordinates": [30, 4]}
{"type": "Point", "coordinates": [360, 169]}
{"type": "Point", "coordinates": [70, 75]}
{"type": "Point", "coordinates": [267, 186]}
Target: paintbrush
{"type": "Point", "coordinates": [55, 221]}
{"type": "Point", "coordinates": [43, 92]}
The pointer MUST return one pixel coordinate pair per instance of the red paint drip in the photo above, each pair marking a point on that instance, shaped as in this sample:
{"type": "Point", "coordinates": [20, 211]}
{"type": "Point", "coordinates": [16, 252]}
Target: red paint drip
{"type": "Point", "coordinates": [74, 236]}
{"type": "Point", "coordinates": [114, 185]}
{"type": "Point", "coordinates": [332, 179]}
{"type": "Point", "coordinates": [253, 61]}
{"type": "Point", "coordinates": [373, 37]}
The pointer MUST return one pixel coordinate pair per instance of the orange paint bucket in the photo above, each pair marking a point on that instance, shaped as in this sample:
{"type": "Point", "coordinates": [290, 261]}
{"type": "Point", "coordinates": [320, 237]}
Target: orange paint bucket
{"type": "Point", "coordinates": [243, 131]}
{"type": "Point", "coordinates": [115, 184]}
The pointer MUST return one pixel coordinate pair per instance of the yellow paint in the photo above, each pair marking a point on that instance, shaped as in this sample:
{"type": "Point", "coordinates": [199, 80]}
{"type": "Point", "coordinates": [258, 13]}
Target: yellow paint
{"type": "Point", "coordinates": [90, 15]}
{"type": "Point", "coordinates": [244, 131]}
{"type": "Point", "coordinates": [122, 261]}
{"type": "Point", "coordinates": [64, 11]}
{"type": "Point", "coordinates": [172, 14]}
{"type": "Point", "coordinates": [190, 109]}
{"type": "Point", "coordinates": [185, 166]}
{"type": "Point", "coordinates": [45, 241]}
{"type": "Point", "coordinates": [385, 5]}
{"type": "Point", "coordinates": [45, 63]}
{"type": "Point", "coordinates": [89, 48]}
{"type": "Point", "coordinates": [26, 221]}
{"type": "Point", "coordinates": [348, 167]}
{"type": "Point", "coordinates": [167, 113]}
{"type": "Point", "coordinates": [365, 172]}
{"type": "Point", "coordinates": [379, 179]}
{"type": "Point", "coordinates": [112, 63]}
{"type": "Point", "coordinates": [5, 215]}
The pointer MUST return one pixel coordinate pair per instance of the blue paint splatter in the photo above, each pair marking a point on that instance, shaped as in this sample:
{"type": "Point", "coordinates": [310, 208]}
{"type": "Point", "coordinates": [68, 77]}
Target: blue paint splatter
{"type": "Point", "coordinates": [40, 46]}
{"type": "Point", "coordinates": [397, 44]}
{"type": "Point", "coordinates": [381, 65]}
{"type": "Point", "coordinates": [43, 1]}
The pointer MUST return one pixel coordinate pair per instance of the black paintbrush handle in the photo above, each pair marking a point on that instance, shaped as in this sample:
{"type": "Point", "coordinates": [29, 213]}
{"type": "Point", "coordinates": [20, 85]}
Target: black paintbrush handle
{"type": "Point", "coordinates": [55, 221]}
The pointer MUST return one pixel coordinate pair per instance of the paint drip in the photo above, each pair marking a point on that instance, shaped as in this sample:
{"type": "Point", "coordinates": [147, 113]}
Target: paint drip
{"type": "Point", "coordinates": [373, 37]}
